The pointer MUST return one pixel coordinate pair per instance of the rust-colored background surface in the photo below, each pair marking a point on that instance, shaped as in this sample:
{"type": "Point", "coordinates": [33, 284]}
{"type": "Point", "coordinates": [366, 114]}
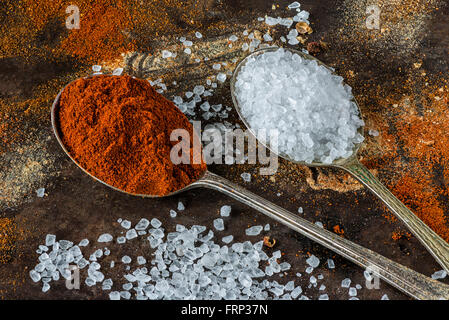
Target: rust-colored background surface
{"type": "Point", "coordinates": [398, 75]}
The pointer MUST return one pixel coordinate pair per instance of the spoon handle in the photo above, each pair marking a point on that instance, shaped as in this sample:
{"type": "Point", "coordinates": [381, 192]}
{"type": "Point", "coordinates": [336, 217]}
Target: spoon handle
{"type": "Point", "coordinates": [408, 281]}
{"type": "Point", "coordinates": [433, 242]}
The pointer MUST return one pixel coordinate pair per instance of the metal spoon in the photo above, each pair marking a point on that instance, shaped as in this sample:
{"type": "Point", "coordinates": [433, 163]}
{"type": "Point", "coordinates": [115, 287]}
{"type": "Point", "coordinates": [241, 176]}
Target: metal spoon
{"type": "Point", "coordinates": [408, 281]}
{"type": "Point", "coordinates": [431, 241]}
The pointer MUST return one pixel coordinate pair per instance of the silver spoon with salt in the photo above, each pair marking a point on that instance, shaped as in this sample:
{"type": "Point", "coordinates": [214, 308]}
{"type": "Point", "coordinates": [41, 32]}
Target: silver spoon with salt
{"type": "Point", "coordinates": [431, 241]}
{"type": "Point", "coordinates": [410, 282]}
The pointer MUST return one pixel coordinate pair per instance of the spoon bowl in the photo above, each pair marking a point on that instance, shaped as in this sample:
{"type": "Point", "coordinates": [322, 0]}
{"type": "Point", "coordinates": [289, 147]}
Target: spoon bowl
{"type": "Point", "coordinates": [241, 64]}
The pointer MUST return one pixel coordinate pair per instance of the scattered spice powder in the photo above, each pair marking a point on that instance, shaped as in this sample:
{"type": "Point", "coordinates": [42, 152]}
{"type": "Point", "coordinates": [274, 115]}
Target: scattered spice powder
{"type": "Point", "coordinates": [118, 128]}
{"type": "Point", "coordinates": [8, 235]}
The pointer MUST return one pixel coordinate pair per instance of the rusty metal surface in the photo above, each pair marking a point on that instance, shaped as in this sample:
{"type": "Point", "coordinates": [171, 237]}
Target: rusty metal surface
{"type": "Point", "coordinates": [77, 207]}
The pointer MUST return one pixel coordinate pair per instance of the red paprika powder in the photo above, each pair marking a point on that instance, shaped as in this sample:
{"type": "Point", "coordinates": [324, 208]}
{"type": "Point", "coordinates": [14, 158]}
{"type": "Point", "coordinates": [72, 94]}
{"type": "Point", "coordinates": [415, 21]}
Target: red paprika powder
{"type": "Point", "coordinates": [118, 128]}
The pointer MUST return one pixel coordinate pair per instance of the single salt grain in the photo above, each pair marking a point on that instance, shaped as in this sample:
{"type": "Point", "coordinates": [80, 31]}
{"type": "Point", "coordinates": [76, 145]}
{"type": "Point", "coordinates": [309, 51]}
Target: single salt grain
{"type": "Point", "coordinates": [352, 292]}
{"type": "Point", "coordinates": [173, 213]}
{"type": "Point", "coordinates": [385, 297]}
{"type": "Point", "coordinates": [126, 224]}
{"type": "Point", "coordinates": [83, 243]}
{"type": "Point", "coordinates": [246, 177]}
{"type": "Point", "coordinates": [126, 259]}
{"type": "Point", "coordinates": [115, 295]}
{"type": "Point", "coordinates": [156, 223]}
{"type": "Point", "coordinates": [323, 297]}
{"type": "Point", "coordinates": [221, 77]}
{"type": "Point", "coordinates": [313, 261]}
{"type": "Point", "coordinates": [117, 72]}
{"type": "Point", "coordinates": [141, 260]}
{"type": "Point", "coordinates": [233, 38]}
{"type": "Point", "coordinates": [40, 192]}
{"type": "Point", "coordinates": [254, 231]}
{"type": "Point", "coordinates": [345, 283]}
{"type": "Point", "coordinates": [300, 210]}
{"type": "Point", "coordinates": [267, 37]}
{"type": "Point", "coordinates": [96, 68]}
{"type": "Point", "coordinates": [227, 239]}
{"type": "Point", "coordinates": [166, 54]}
{"type": "Point", "coordinates": [181, 206]}
{"type": "Point", "coordinates": [131, 234]}
{"type": "Point", "coordinates": [294, 5]}
{"type": "Point", "coordinates": [439, 275]}
{"type": "Point", "coordinates": [219, 224]}
{"type": "Point", "coordinates": [225, 211]}
{"type": "Point", "coordinates": [198, 35]}
{"type": "Point", "coordinates": [373, 133]}
{"type": "Point", "coordinates": [330, 264]}
{"type": "Point", "coordinates": [106, 237]}
{"type": "Point", "coordinates": [188, 51]}
{"type": "Point", "coordinates": [216, 66]}
{"type": "Point", "coordinates": [267, 227]}
{"type": "Point", "coordinates": [142, 224]}
{"type": "Point", "coordinates": [50, 240]}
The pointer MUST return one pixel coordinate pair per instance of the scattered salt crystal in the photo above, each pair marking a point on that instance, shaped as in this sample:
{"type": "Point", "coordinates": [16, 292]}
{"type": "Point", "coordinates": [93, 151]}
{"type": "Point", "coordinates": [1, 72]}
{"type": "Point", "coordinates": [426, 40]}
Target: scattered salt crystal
{"type": "Point", "coordinates": [309, 270]}
{"type": "Point", "coordinates": [330, 264]}
{"type": "Point", "coordinates": [267, 37]}
{"type": "Point", "coordinates": [293, 41]}
{"type": "Point", "coordinates": [352, 292]}
{"type": "Point", "coordinates": [225, 211]}
{"type": "Point", "coordinates": [439, 275]}
{"type": "Point", "coordinates": [121, 240]}
{"type": "Point", "coordinates": [294, 5]}
{"type": "Point", "coordinates": [373, 133]}
{"type": "Point", "coordinates": [219, 224]}
{"type": "Point", "coordinates": [83, 243]}
{"type": "Point", "coordinates": [115, 295]}
{"type": "Point", "coordinates": [126, 259]}
{"type": "Point", "coordinates": [198, 35]}
{"type": "Point", "coordinates": [142, 224]}
{"type": "Point", "coordinates": [173, 213]}
{"type": "Point", "coordinates": [323, 297]}
{"type": "Point", "coordinates": [141, 260]}
{"type": "Point", "coordinates": [131, 234]}
{"type": "Point", "coordinates": [106, 237]}
{"type": "Point", "coordinates": [385, 297]}
{"type": "Point", "coordinates": [96, 68]}
{"type": "Point", "coordinates": [313, 261]}
{"type": "Point", "coordinates": [188, 51]}
{"type": "Point", "coordinates": [188, 43]}
{"type": "Point", "coordinates": [181, 206]}
{"type": "Point", "coordinates": [50, 240]}
{"type": "Point", "coordinates": [227, 239]}
{"type": "Point", "coordinates": [233, 38]}
{"type": "Point", "coordinates": [345, 283]}
{"type": "Point", "coordinates": [267, 227]}
{"type": "Point", "coordinates": [126, 224]}
{"type": "Point", "coordinates": [221, 77]}
{"type": "Point", "coordinates": [156, 223]}
{"type": "Point", "coordinates": [300, 210]}
{"type": "Point", "coordinates": [246, 177]}
{"type": "Point", "coordinates": [254, 231]}
{"type": "Point", "coordinates": [40, 192]}
{"type": "Point", "coordinates": [117, 72]}
{"type": "Point", "coordinates": [216, 66]}
{"type": "Point", "coordinates": [166, 54]}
